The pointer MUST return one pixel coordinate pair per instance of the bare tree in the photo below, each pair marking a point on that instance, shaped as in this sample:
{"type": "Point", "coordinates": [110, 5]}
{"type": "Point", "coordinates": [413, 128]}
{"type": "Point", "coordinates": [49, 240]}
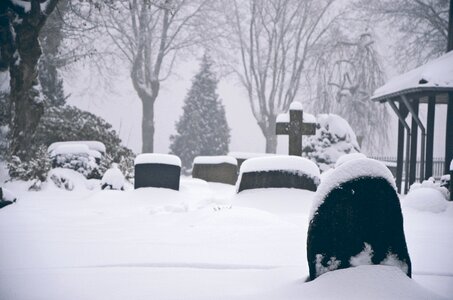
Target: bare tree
{"type": "Point", "coordinates": [347, 73]}
{"type": "Point", "coordinates": [20, 25]}
{"type": "Point", "coordinates": [423, 25]}
{"type": "Point", "coordinates": [275, 39]}
{"type": "Point", "coordinates": [150, 35]}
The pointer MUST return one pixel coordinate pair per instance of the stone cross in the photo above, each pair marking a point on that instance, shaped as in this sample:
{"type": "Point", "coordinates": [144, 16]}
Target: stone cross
{"type": "Point", "coordinates": [295, 128]}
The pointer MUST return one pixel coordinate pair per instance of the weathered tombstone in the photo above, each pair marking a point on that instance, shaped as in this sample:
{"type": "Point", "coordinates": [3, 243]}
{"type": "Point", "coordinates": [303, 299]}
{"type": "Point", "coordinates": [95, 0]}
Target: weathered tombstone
{"type": "Point", "coordinates": [278, 172]}
{"type": "Point", "coordinates": [243, 156]}
{"type": "Point", "coordinates": [221, 169]}
{"type": "Point", "coordinates": [356, 220]}
{"type": "Point", "coordinates": [157, 170]}
{"type": "Point", "coordinates": [295, 128]}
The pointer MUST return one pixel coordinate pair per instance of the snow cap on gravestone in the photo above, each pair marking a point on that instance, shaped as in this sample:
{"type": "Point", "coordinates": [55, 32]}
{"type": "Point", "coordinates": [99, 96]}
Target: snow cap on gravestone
{"type": "Point", "coordinates": [295, 105]}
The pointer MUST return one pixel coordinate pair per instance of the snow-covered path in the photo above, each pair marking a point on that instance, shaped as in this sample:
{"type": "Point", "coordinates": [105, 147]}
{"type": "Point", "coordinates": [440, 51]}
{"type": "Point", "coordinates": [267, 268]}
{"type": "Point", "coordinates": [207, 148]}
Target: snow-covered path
{"type": "Point", "coordinates": [203, 242]}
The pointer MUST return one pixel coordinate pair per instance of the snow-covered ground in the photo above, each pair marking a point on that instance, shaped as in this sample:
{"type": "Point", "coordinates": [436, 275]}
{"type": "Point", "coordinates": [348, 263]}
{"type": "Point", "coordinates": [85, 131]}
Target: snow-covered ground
{"type": "Point", "coordinates": [203, 242]}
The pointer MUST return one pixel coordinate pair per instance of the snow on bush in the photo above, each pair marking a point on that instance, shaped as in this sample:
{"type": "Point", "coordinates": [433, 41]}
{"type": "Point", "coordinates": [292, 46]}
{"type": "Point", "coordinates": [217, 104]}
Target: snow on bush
{"type": "Point", "coordinates": [113, 179]}
{"type": "Point", "coordinates": [35, 170]}
{"type": "Point", "coordinates": [334, 137]}
{"type": "Point", "coordinates": [78, 157]}
{"type": "Point", "coordinates": [427, 196]}
{"type": "Point", "coordinates": [69, 180]}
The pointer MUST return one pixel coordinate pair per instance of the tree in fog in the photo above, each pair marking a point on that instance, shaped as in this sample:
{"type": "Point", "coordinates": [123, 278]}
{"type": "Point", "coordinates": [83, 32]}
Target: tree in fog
{"type": "Point", "coordinates": [423, 25]}
{"type": "Point", "coordinates": [150, 35]}
{"type": "Point", "coordinates": [202, 128]}
{"type": "Point", "coordinates": [347, 73]}
{"type": "Point", "coordinates": [275, 39]}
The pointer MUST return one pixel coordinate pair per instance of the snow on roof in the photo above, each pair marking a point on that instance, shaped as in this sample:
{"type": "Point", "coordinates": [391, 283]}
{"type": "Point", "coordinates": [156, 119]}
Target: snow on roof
{"type": "Point", "coordinates": [157, 158]}
{"type": "Point", "coordinates": [280, 162]}
{"type": "Point", "coordinates": [436, 74]}
{"type": "Point", "coordinates": [221, 159]}
{"type": "Point", "coordinates": [347, 157]}
{"type": "Point", "coordinates": [352, 169]}
{"type": "Point", "coordinates": [295, 105]}
{"type": "Point", "coordinates": [92, 145]}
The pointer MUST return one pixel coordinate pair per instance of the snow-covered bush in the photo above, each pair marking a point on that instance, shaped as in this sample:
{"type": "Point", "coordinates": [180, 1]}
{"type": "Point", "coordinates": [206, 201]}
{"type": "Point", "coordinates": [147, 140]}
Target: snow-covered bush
{"type": "Point", "coordinates": [113, 179]}
{"type": "Point", "coordinates": [35, 169]}
{"type": "Point", "coordinates": [334, 138]}
{"type": "Point", "coordinates": [77, 157]}
{"type": "Point", "coordinates": [69, 123]}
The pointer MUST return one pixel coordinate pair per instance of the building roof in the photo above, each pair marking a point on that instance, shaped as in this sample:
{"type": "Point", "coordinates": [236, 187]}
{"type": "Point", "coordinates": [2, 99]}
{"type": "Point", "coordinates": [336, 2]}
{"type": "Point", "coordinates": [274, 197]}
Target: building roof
{"type": "Point", "coordinates": [434, 76]}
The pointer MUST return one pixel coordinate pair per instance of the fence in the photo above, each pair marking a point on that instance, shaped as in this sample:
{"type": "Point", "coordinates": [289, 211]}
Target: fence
{"type": "Point", "coordinates": [438, 165]}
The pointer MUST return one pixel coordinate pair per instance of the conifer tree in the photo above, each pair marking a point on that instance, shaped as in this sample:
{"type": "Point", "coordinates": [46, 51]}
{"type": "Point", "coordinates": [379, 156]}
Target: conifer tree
{"type": "Point", "coordinates": [203, 128]}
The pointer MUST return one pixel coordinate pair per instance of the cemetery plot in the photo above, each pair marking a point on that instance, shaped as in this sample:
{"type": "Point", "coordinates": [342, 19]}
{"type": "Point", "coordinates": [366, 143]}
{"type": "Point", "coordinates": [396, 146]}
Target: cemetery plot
{"type": "Point", "coordinates": [278, 172]}
{"type": "Point", "coordinates": [356, 220]}
{"type": "Point", "coordinates": [222, 169]}
{"type": "Point", "coordinates": [157, 170]}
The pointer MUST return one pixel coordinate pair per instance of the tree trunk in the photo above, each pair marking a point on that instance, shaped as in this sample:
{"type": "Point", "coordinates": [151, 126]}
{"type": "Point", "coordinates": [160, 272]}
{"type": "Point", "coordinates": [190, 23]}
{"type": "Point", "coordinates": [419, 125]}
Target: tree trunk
{"type": "Point", "coordinates": [148, 124]}
{"type": "Point", "coordinates": [270, 135]}
{"type": "Point", "coordinates": [27, 106]}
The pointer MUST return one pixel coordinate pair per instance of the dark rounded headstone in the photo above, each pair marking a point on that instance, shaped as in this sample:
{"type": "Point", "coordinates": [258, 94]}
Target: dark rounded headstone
{"type": "Point", "coordinates": [157, 170]}
{"type": "Point", "coordinates": [222, 169]}
{"type": "Point", "coordinates": [278, 172]}
{"type": "Point", "coordinates": [356, 220]}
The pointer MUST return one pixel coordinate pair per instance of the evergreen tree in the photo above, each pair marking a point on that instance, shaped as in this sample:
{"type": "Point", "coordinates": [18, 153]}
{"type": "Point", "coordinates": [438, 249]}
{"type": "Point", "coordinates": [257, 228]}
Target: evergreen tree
{"type": "Point", "coordinates": [203, 128]}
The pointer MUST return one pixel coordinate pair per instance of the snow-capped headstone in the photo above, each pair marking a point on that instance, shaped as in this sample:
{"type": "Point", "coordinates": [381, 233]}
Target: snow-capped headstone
{"type": "Point", "coordinates": [113, 179]}
{"type": "Point", "coordinates": [356, 220]}
{"type": "Point", "coordinates": [295, 128]}
{"type": "Point", "coordinates": [221, 169]}
{"type": "Point", "coordinates": [278, 172]}
{"type": "Point", "coordinates": [157, 170]}
{"type": "Point", "coordinates": [6, 197]}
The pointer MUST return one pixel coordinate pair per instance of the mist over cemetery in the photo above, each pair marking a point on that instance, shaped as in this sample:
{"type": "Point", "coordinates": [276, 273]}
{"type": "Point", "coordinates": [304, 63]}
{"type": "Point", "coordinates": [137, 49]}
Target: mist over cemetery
{"type": "Point", "coordinates": [309, 153]}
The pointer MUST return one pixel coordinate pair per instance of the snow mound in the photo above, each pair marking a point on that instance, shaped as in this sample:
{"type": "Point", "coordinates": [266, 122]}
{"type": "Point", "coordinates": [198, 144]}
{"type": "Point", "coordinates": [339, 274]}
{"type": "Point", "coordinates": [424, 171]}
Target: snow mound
{"type": "Point", "coordinates": [352, 169]}
{"type": "Point", "coordinates": [430, 183]}
{"type": "Point", "coordinates": [295, 105]}
{"type": "Point", "coordinates": [156, 158]}
{"type": "Point", "coordinates": [68, 179]}
{"type": "Point", "coordinates": [426, 199]}
{"type": "Point", "coordinates": [113, 178]}
{"type": "Point", "coordinates": [277, 163]}
{"type": "Point", "coordinates": [365, 282]}
{"type": "Point", "coordinates": [348, 157]}
{"type": "Point", "coordinates": [221, 159]}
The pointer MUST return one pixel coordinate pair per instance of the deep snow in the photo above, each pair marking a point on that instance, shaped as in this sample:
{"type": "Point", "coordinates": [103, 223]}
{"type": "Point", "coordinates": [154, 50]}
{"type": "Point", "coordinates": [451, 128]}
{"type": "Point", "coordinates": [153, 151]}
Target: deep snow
{"type": "Point", "coordinates": [203, 242]}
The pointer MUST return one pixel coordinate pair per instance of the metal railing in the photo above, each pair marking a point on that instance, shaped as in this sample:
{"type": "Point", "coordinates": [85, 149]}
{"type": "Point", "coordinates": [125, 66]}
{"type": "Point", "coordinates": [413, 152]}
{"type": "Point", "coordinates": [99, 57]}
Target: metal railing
{"type": "Point", "coordinates": [438, 165]}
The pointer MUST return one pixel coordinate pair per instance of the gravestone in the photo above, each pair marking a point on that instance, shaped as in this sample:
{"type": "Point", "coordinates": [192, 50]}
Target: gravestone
{"type": "Point", "coordinates": [278, 172]}
{"type": "Point", "coordinates": [157, 170]}
{"type": "Point", "coordinates": [295, 128]}
{"type": "Point", "coordinates": [356, 220]}
{"type": "Point", "coordinates": [222, 169]}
